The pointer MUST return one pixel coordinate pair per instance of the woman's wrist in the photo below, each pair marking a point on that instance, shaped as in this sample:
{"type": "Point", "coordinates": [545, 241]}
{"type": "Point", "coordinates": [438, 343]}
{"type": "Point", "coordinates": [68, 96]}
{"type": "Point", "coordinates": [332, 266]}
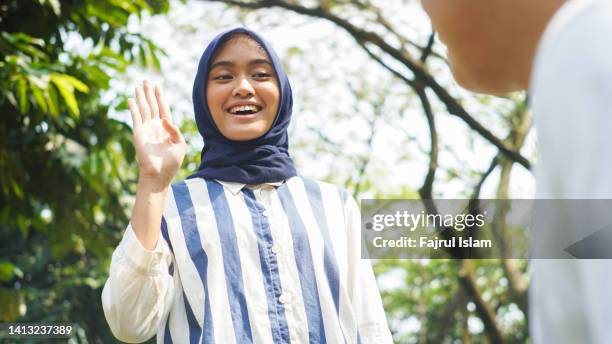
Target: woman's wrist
{"type": "Point", "coordinates": [148, 209]}
{"type": "Point", "coordinates": [150, 184]}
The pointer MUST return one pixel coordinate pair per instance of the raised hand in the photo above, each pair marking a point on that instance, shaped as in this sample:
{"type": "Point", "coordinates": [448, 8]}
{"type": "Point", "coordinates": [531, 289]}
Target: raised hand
{"type": "Point", "coordinates": [160, 147]}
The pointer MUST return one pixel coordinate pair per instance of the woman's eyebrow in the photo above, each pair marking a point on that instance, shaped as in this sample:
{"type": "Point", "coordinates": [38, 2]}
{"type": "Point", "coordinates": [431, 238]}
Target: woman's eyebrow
{"type": "Point", "coordinates": [227, 63]}
{"type": "Point", "coordinates": [222, 63]}
{"type": "Point", "coordinates": [259, 61]}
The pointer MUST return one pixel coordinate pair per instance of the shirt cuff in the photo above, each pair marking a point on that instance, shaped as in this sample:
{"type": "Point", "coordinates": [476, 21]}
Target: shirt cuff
{"type": "Point", "coordinates": [144, 261]}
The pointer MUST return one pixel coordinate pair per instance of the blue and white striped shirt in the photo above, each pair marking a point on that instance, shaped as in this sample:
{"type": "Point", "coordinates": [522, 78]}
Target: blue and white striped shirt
{"type": "Point", "coordinates": [273, 263]}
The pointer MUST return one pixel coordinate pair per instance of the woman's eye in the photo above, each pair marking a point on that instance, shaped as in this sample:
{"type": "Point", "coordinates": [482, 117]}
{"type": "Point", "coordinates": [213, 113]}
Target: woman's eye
{"type": "Point", "coordinates": [261, 75]}
{"type": "Point", "coordinates": [222, 77]}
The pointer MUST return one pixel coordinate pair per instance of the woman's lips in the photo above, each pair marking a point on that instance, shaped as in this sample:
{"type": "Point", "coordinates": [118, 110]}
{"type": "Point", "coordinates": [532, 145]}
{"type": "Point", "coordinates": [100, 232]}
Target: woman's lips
{"type": "Point", "coordinates": [244, 109]}
{"type": "Point", "coordinates": [243, 117]}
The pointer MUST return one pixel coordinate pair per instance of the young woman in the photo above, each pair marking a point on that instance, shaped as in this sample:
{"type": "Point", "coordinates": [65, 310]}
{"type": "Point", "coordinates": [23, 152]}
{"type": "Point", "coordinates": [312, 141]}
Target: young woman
{"type": "Point", "coordinates": [249, 251]}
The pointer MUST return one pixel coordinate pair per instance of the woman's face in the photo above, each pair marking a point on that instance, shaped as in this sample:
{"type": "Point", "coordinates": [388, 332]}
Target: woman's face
{"type": "Point", "coordinates": [242, 90]}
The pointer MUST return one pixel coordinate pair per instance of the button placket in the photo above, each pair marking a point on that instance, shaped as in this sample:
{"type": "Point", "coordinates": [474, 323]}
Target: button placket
{"type": "Point", "coordinates": [265, 201]}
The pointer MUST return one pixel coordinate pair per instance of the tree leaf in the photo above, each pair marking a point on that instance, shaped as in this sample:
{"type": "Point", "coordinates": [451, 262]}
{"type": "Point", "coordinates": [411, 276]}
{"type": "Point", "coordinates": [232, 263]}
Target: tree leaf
{"type": "Point", "coordinates": [22, 95]}
{"type": "Point", "coordinates": [52, 100]}
{"type": "Point", "coordinates": [12, 304]}
{"type": "Point", "coordinates": [6, 271]}
{"type": "Point", "coordinates": [66, 90]}
{"type": "Point", "coordinates": [76, 83]}
{"type": "Point", "coordinates": [37, 94]}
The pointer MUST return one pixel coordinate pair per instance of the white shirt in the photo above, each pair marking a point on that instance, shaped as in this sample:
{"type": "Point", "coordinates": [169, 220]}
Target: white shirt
{"type": "Point", "coordinates": [268, 264]}
{"type": "Point", "coordinates": [571, 88]}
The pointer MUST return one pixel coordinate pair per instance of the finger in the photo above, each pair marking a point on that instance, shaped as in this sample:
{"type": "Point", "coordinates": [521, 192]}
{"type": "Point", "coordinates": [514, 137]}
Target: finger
{"type": "Point", "coordinates": [145, 112]}
{"type": "Point", "coordinates": [173, 131]}
{"type": "Point", "coordinates": [148, 91]}
{"type": "Point", "coordinates": [164, 111]}
{"type": "Point", "coordinates": [136, 119]}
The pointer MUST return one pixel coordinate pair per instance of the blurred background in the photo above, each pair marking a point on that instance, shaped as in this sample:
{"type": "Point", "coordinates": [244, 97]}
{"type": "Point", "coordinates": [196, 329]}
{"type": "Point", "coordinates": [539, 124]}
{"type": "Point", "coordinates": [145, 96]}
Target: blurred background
{"type": "Point", "coordinates": [376, 111]}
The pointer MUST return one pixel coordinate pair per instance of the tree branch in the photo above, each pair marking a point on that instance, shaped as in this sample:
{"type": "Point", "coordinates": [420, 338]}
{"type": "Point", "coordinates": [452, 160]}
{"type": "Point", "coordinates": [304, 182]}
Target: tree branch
{"type": "Point", "coordinates": [486, 313]}
{"type": "Point", "coordinates": [429, 47]}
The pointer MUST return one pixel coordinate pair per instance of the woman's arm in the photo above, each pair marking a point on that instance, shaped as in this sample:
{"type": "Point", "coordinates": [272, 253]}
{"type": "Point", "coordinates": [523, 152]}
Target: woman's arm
{"type": "Point", "coordinates": [160, 149]}
{"type": "Point", "coordinates": [140, 289]}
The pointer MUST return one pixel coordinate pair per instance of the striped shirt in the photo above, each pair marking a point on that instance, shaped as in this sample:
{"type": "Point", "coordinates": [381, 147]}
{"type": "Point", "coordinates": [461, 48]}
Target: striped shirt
{"type": "Point", "coordinates": [273, 263]}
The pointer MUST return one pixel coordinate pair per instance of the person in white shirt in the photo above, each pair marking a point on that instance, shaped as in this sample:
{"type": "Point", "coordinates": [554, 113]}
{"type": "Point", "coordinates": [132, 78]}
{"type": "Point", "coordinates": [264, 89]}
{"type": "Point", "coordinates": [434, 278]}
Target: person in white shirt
{"type": "Point", "coordinates": [245, 250]}
{"type": "Point", "coordinates": [561, 52]}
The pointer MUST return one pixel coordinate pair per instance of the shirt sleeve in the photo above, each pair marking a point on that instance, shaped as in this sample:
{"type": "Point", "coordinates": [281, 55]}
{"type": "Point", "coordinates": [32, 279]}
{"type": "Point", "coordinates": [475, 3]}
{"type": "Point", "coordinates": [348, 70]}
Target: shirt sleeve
{"type": "Point", "coordinates": [365, 297]}
{"type": "Point", "coordinates": [140, 289]}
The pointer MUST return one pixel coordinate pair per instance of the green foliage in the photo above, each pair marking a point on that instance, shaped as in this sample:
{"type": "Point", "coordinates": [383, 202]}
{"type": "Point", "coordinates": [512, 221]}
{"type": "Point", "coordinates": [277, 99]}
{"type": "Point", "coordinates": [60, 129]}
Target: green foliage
{"type": "Point", "coordinates": [65, 166]}
{"type": "Point", "coordinates": [427, 296]}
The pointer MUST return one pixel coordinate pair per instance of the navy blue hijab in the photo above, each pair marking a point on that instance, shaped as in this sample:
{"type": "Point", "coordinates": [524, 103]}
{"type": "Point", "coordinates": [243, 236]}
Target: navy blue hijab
{"type": "Point", "coordinates": [261, 160]}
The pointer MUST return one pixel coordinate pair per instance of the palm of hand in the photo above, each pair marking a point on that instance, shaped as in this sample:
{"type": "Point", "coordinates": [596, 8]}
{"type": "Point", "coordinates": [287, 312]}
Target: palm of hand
{"type": "Point", "coordinates": [160, 147]}
{"type": "Point", "coordinates": [157, 154]}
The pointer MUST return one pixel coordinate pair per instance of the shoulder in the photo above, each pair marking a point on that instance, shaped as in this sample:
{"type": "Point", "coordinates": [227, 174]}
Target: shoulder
{"type": "Point", "coordinates": [575, 44]}
{"type": "Point", "coordinates": [185, 194]}
{"type": "Point", "coordinates": [330, 195]}
{"type": "Point", "coordinates": [572, 73]}
{"type": "Point", "coordinates": [588, 19]}
{"type": "Point", "coordinates": [191, 185]}
{"type": "Point", "coordinates": [317, 188]}
{"type": "Point", "coordinates": [191, 182]}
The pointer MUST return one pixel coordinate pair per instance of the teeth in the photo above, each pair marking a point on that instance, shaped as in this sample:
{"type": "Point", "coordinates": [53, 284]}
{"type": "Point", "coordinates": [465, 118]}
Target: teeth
{"type": "Point", "coordinates": [243, 108]}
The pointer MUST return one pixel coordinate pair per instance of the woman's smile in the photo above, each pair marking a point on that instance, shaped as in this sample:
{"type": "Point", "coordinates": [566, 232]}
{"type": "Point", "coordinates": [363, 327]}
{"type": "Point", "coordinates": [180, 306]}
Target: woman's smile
{"type": "Point", "coordinates": [244, 111]}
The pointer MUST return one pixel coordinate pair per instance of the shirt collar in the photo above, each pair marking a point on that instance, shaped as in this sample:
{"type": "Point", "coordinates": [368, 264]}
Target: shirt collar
{"type": "Point", "coordinates": [234, 188]}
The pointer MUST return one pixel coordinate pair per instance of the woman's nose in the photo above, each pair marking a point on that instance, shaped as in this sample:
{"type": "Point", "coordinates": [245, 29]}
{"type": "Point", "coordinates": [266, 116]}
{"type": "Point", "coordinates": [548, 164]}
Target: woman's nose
{"type": "Point", "coordinates": [244, 88]}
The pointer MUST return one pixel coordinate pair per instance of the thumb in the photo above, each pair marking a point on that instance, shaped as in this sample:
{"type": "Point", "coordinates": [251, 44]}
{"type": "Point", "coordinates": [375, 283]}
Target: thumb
{"type": "Point", "coordinates": [173, 131]}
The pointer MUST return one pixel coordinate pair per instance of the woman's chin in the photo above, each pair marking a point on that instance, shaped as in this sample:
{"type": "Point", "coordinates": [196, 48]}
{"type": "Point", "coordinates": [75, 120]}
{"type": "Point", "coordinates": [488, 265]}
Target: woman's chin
{"type": "Point", "coordinates": [244, 132]}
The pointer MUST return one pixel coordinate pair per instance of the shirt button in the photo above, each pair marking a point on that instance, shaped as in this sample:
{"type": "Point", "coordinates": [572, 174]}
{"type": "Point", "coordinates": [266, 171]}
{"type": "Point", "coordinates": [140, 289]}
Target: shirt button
{"type": "Point", "coordinates": [265, 213]}
{"type": "Point", "coordinates": [275, 249]}
{"type": "Point", "coordinates": [283, 298]}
